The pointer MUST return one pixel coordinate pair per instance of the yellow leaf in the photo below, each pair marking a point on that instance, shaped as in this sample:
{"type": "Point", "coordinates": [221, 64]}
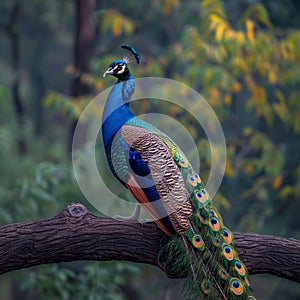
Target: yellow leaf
{"type": "Point", "coordinates": [167, 7]}
{"type": "Point", "coordinates": [116, 22]}
{"type": "Point", "coordinates": [229, 34]}
{"type": "Point", "coordinates": [117, 27]}
{"type": "Point", "coordinates": [220, 31]}
{"type": "Point", "coordinates": [285, 191]}
{"type": "Point", "coordinates": [259, 94]}
{"type": "Point", "coordinates": [250, 30]}
{"type": "Point", "coordinates": [236, 87]}
{"type": "Point", "coordinates": [272, 76]}
{"type": "Point", "coordinates": [228, 169]}
{"type": "Point", "coordinates": [215, 18]}
{"type": "Point", "coordinates": [227, 99]}
{"type": "Point", "coordinates": [214, 96]}
{"type": "Point", "coordinates": [280, 97]}
{"type": "Point", "coordinates": [169, 4]}
{"type": "Point", "coordinates": [219, 25]}
{"type": "Point", "coordinates": [240, 37]}
{"type": "Point", "coordinates": [281, 107]}
{"type": "Point", "coordinates": [247, 131]}
{"type": "Point", "coordinates": [277, 182]}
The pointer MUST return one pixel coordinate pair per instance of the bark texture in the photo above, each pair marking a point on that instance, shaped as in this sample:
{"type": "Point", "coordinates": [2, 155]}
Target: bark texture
{"type": "Point", "coordinates": [77, 234]}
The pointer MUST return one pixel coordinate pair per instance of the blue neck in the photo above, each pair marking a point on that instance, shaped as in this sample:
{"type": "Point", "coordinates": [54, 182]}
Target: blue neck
{"type": "Point", "coordinates": [117, 111]}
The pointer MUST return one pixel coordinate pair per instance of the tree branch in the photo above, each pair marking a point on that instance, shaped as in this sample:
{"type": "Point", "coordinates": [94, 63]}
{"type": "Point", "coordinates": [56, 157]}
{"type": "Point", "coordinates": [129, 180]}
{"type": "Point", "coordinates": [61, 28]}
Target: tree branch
{"type": "Point", "coordinates": [76, 234]}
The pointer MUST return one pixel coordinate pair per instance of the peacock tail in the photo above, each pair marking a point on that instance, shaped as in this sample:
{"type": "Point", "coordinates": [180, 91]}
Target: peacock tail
{"type": "Point", "coordinates": [162, 180]}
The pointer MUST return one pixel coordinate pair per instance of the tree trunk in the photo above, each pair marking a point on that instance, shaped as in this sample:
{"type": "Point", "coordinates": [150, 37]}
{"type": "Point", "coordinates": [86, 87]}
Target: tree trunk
{"type": "Point", "coordinates": [83, 50]}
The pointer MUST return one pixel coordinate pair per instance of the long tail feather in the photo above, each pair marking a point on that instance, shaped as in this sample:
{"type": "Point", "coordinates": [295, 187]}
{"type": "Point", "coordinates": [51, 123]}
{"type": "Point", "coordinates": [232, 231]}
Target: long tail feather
{"type": "Point", "coordinates": [203, 249]}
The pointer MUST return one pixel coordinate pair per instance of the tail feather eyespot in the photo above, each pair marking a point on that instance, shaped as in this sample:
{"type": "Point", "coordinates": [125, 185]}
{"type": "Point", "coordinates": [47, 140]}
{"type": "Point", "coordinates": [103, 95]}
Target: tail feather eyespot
{"type": "Point", "coordinates": [214, 224]}
{"type": "Point", "coordinates": [192, 180]}
{"type": "Point", "coordinates": [228, 252]}
{"type": "Point", "coordinates": [205, 286]}
{"type": "Point", "coordinates": [182, 162]}
{"type": "Point", "coordinates": [227, 235]}
{"type": "Point", "coordinates": [216, 242]}
{"type": "Point", "coordinates": [198, 242]}
{"type": "Point", "coordinates": [202, 215]}
{"type": "Point", "coordinates": [223, 274]}
{"type": "Point", "coordinates": [240, 268]}
{"type": "Point", "coordinates": [197, 177]}
{"type": "Point", "coordinates": [200, 197]}
{"type": "Point", "coordinates": [236, 286]}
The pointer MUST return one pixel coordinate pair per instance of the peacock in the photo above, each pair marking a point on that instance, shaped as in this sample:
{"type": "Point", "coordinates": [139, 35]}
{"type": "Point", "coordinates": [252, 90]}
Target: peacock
{"type": "Point", "coordinates": [159, 176]}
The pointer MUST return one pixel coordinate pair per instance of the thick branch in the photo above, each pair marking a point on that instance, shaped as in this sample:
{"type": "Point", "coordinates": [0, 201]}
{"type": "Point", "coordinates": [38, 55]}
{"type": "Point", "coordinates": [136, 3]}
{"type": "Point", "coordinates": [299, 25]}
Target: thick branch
{"type": "Point", "coordinates": [76, 234]}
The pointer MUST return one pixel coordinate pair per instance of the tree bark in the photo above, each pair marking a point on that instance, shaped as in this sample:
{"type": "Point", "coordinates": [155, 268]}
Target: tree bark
{"type": "Point", "coordinates": [77, 234]}
{"type": "Point", "coordinates": [84, 44]}
{"type": "Point", "coordinates": [83, 50]}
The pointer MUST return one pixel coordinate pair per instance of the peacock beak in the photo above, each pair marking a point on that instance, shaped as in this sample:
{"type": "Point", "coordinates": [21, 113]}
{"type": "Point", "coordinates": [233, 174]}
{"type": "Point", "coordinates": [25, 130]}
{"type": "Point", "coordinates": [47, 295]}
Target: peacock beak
{"type": "Point", "coordinates": [109, 71]}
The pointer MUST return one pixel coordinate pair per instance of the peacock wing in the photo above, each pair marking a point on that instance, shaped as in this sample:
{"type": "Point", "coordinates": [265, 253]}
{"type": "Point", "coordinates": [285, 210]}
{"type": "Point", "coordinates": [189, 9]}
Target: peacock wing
{"type": "Point", "coordinates": [165, 173]}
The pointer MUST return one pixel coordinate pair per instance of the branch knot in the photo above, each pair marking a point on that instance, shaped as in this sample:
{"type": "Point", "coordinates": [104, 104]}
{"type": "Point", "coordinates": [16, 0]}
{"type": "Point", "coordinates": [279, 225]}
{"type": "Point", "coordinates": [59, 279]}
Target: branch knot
{"type": "Point", "coordinates": [76, 210]}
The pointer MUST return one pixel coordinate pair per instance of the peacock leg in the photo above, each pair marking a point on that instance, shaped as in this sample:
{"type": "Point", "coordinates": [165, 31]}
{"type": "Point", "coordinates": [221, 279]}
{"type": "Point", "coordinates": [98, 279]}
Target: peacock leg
{"type": "Point", "coordinates": [134, 217]}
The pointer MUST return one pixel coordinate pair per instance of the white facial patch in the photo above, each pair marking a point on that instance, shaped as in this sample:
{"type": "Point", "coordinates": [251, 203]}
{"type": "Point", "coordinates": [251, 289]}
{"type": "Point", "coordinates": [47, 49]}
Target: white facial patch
{"type": "Point", "coordinates": [119, 68]}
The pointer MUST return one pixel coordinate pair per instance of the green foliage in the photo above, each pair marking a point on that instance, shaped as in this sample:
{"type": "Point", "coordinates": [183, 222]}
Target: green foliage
{"type": "Point", "coordinates": [102, 280]}
{"type": "Point", "coordinates": [37, 194]}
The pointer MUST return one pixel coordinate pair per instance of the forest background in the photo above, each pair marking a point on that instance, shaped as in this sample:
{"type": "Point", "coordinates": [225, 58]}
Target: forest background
{"type": "Point", "coordinates": [242, 56]}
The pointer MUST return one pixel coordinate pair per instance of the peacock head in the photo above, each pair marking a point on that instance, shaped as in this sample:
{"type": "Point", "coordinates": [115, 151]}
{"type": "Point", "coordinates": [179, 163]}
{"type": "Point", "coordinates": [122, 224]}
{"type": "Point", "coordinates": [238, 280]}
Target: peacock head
{"type": "Point", "coordinates": [119, 69]}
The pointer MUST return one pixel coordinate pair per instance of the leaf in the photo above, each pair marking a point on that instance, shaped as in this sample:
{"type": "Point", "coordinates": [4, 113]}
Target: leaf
{"type": "Point", "coordinates": [168, 5]}
{"type": "Point", "coordinates": [277, 181]}
{"type": "Point", "coordinates": [116, 22]}
{"type": "Point", "coordinates": [220, 31]}
{"type": "Point", "coordinates": [229, 169]}
{"type": "Point", "coordinates": [250, 30]}
{"type": "Point", "coordinates": [256, 12]}
{"type": "Point", "coordinates": [248, 131]}
{"type": "Point", "coordinates": [287, 50]}
{"type": "Point", "coordinates": [236, 87]}
{"type": "Point", "coordinates": [280, 108]}
{"type": "Point", "coordinates": [227, 99]}
{"type": "Point", "coordinates": [117, 27]}
{"type": "Point", "coordinates": [285, 191]}
{"type": "Point", "coordinates": [213, 7]}
{"type": "Point", "coordinates": [272, 75]}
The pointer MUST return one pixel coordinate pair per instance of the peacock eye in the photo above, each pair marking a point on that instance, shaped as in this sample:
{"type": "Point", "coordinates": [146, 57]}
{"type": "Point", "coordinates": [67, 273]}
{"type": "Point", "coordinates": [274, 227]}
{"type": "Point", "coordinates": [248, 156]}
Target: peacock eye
{"type": "Point", "coordinates": [119, 68]}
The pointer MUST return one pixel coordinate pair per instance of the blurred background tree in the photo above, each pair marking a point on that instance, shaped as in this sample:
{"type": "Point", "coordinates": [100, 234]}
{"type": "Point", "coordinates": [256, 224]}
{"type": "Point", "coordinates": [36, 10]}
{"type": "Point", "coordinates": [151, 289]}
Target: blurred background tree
{"type": "Point", "coordinates": [242, 56]}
